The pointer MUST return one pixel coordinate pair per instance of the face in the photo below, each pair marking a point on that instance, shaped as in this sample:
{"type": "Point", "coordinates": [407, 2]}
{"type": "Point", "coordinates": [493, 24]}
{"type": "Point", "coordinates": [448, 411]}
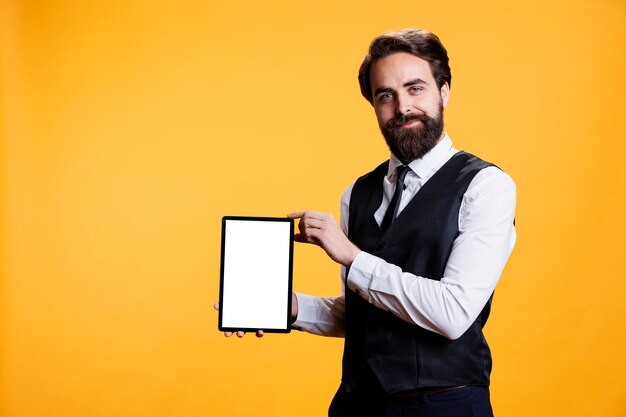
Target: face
{"type": "Point", "coordinates": [408, 104]}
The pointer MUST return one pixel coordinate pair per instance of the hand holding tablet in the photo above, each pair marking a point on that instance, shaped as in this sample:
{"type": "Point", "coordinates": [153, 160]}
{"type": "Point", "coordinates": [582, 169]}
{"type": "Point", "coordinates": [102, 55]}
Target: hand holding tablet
{"type": "Point", "coordinates": [260, 333]}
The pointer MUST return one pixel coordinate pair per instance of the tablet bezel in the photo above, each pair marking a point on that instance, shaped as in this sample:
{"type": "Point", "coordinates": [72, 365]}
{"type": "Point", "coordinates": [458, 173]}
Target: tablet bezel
{"type": "Point", "coordinates": [288, 319]}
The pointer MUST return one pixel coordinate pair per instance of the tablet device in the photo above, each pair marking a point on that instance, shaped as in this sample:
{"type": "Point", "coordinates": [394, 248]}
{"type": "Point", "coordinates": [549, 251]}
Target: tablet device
{"type": "Point", "coordinates": [256, 274]}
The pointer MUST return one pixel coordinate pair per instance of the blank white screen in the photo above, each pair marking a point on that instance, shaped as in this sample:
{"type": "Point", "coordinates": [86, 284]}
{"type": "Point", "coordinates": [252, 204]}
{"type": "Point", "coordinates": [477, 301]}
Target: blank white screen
{"type": "Point", "coordinates": [256, 274]}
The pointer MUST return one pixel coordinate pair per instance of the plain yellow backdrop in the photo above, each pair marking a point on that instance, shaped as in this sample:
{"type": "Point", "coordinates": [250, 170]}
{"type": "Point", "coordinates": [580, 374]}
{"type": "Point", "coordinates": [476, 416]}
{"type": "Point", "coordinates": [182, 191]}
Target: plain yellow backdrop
{"type": "Point", "coordinates": [130, 128]}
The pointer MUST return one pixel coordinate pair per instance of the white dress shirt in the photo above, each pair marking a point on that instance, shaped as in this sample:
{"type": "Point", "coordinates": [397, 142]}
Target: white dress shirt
{"type": "Point", "coordinates": [480, 251]}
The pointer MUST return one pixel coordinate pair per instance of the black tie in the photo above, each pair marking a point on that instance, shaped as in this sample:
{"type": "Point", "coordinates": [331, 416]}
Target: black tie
{"type": "Point", "coordinates": [392, 211]}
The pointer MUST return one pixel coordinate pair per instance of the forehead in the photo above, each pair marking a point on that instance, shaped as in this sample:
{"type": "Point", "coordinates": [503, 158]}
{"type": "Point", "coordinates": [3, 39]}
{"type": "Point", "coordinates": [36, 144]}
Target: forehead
{"type": "Point", "coordinates": [394, 70]}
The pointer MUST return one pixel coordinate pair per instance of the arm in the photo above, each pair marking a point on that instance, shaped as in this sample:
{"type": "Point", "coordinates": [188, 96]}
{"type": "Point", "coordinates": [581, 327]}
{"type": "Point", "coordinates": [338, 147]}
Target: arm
{"type": "Point", "coordinates": [324, 316]}
{"type": "Point", "coordinates": [448, 307]}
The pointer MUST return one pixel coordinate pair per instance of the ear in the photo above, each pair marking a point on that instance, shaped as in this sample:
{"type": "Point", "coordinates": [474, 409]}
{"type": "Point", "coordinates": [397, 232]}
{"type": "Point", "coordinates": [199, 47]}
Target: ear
{"type": "Point", "coordinates": [445, 94]}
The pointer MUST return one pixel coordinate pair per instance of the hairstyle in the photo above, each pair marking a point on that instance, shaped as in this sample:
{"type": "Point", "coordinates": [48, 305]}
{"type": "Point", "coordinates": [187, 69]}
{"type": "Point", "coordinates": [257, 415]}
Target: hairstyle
{"type": "Point", "coordinates": [421, 43]}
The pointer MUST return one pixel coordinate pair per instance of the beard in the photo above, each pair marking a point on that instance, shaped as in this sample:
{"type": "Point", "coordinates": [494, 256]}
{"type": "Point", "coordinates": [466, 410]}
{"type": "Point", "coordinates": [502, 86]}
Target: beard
{"type": "Point", "coordinates": [411, 143]}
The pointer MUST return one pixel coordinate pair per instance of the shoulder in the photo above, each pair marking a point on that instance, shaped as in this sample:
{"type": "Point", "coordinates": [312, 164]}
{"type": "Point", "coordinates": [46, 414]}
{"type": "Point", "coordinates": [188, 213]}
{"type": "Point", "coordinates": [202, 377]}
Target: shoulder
{"type": "Point", "coordinates": [492, 176]}
{"type": "Point", "coordinates": [366, 181]}
{"type": "Point", "coordinates": [491, 183]}
{"type": "Point", "coordinates": [345, 197]}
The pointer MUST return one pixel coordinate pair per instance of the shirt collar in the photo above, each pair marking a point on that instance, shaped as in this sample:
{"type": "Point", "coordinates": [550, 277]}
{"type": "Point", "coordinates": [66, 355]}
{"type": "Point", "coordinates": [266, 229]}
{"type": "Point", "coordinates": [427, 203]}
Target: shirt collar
{"type": "Point", "coordinates": [430, 162]}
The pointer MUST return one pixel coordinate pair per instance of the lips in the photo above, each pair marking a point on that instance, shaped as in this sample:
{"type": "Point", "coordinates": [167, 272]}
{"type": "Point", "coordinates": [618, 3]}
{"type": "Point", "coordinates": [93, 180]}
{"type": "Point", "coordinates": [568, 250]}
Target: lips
{"type": "Point", "coordinates": [405, 121]}
{"type": "Point", "coordinates": [410, 123]}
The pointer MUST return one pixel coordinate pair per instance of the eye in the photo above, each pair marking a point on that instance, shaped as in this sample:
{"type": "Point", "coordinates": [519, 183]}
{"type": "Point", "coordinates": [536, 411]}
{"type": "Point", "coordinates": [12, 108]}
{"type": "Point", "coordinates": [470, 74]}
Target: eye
{"type": "Point", "coordinates": [385, 97]}
{"type": "Point", "coordinates": [415, 89]}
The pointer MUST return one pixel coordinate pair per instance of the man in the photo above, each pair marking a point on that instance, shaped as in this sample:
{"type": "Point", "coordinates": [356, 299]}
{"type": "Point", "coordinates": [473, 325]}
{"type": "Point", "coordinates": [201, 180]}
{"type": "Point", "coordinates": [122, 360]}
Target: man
{"type": "Point", "coordinates": [423, 240]}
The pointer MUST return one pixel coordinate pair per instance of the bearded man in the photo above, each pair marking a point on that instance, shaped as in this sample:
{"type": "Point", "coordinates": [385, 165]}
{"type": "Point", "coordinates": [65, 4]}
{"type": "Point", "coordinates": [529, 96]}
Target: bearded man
{"type": "Point", "coordinates": [422, 243]}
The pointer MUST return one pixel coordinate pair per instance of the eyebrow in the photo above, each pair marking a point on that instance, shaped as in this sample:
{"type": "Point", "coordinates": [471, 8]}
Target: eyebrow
{"type": "Point", "coordinates": [413, 82]}
{"type": "Point", "coordinates": [380, 90]}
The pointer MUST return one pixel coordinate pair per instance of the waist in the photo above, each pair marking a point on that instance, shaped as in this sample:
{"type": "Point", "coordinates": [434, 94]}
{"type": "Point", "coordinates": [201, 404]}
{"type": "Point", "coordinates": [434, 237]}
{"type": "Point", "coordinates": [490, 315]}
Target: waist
{"type": "Point", "coordinates": [425, 392]}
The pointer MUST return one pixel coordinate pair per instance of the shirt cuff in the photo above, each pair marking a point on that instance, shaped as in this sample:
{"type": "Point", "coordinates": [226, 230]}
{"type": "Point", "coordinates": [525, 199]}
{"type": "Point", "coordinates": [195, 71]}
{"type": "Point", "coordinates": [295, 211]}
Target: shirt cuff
{"type": "Point", "coordinates": [307, 313]}
{"type": "Point", "coordinates": [361, 273]}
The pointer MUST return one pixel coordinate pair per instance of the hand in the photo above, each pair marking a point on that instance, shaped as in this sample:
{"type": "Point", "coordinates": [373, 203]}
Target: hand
{"type": "Point", "coordinates": [259, 333]}
{"type": "Point", "coordinates": [322, 230]}
{"type": "Point", "coordinates": [240, 334]}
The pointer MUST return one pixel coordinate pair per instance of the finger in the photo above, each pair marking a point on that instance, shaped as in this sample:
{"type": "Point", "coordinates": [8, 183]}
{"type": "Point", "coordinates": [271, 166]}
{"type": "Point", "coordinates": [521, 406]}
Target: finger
{"type": "Point", "coordinates": [228, 334]}
{"type": "Point", "coordinates": [259, 333]}
{"type": "Point", "coordinates": [312, 235]}
{"type": "Point", "coordinates": [306, 237]}
{"type": "Point", "coordinates": [313, 223]}
{"type": "Point", "coordinates": [308, 214]}
{"type": "Point", "coordinates": [301, 226]}
{"type": "Point", "coordinates": [241, 334]}
{"type": "Point", "coordinates": [216, 306]}
{"type": "Point", "coordinates": [296, 215]}
{"type": "Point", "coordinates": [307, 224]}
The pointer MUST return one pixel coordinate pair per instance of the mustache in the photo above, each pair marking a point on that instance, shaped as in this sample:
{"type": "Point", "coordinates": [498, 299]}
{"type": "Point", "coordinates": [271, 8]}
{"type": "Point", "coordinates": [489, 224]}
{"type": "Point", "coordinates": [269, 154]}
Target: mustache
{"type": "Point", "coordinates": [402, 119]}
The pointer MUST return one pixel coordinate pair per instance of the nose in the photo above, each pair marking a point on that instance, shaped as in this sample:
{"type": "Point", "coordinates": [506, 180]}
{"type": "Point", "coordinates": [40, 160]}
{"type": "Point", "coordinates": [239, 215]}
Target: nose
{"type": "Point", "coordinates": [403, 105]}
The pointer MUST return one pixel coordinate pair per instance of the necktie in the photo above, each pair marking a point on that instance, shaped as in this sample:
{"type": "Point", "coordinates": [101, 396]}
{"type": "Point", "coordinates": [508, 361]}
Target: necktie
{"type": "Point", "coordinates": [392, 211]}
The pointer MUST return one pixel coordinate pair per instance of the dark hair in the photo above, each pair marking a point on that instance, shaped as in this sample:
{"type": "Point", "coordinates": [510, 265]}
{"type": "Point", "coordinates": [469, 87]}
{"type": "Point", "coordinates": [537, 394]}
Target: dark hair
{"type": "Point", "coordinates": [421, 43]}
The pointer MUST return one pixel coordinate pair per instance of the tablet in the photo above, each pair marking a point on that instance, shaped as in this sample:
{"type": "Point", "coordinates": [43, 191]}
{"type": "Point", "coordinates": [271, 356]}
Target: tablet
{"type": "Point", "coordinates": [256, 274]}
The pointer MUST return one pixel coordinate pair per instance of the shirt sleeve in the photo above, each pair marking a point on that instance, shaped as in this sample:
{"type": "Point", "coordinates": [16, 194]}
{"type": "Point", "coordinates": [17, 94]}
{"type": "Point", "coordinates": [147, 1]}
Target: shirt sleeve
{"type": "Point", "coordinates": [480, 251]}
{"type": "Point", "coordinates": [320, 315]}
{"type": "Point", "coordinates": [324, 316]}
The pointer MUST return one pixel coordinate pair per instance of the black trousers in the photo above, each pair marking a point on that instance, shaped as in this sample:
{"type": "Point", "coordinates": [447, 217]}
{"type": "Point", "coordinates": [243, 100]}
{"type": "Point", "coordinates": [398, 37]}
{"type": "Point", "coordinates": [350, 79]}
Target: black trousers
{"type": "Point", "coordinates": [471, 401]}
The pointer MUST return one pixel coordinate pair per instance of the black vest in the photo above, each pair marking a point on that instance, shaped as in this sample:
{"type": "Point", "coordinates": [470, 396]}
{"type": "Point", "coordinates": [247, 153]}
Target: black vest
{"type": "Point", "coordinates": [380, 348]}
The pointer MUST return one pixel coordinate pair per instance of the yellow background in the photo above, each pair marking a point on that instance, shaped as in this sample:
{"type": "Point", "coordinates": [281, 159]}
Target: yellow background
{"type": "Point", "coordinates": [130, 128]}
